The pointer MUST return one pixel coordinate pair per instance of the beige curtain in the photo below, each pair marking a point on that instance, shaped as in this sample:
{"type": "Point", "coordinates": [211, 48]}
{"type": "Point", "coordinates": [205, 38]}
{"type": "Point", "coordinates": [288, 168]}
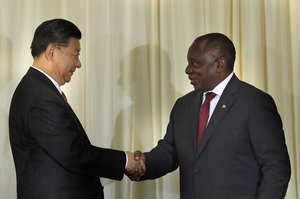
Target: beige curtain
{"type": "Point", "coordinates": [133, 60]}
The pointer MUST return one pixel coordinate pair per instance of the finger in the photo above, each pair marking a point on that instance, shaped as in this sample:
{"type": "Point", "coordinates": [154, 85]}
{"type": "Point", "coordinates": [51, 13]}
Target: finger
{"type": "Point", "coordinates": [137, 155]}
{"type": "Point", "coordinates": [134, 176]}
{"type": "Point", "coordinates": [143, 167]}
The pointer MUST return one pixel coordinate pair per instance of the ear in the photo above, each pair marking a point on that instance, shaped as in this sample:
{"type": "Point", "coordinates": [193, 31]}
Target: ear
{"type": "Point", "coordinates": [221, 64]}
{"type": "Point", "coordinates": [49, 53]}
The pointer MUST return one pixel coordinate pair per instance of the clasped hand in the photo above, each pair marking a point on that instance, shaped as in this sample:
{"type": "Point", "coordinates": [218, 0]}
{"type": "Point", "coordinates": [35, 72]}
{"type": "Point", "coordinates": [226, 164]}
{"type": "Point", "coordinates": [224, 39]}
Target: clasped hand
{"type": "Point", "coordinates": [136, 165]}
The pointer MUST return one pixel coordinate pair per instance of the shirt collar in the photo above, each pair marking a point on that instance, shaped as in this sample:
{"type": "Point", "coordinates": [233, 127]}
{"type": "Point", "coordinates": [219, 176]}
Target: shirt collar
{"type": "Point", "coordinates": [221, 86]}
{"type": "Point", "coordinates": [52, 80]}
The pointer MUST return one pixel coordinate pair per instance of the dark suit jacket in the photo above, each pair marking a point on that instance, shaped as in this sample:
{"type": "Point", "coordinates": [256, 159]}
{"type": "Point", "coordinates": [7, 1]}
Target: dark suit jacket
{"type": "Point", "coordinates": [243, 154]}
{"type": "Point", "coordinates": [53, 156]}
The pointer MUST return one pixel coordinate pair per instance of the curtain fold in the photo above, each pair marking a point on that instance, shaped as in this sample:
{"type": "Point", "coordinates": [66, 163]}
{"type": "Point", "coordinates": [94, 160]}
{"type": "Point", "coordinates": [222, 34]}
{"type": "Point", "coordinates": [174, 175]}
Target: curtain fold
{"type": "Point", "coordinates": [133, 60]}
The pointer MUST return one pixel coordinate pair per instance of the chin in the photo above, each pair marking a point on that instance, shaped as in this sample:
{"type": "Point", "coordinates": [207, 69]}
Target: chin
{"type": "Point", "coordinates": [67, 80]}
{"type": "Point", "coordinates": [196, 87]}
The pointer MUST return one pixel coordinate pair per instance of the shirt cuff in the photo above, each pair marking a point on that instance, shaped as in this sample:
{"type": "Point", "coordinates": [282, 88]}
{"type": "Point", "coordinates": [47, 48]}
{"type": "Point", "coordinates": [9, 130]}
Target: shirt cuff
{"type": "Point", "coordinates": [126, 160]}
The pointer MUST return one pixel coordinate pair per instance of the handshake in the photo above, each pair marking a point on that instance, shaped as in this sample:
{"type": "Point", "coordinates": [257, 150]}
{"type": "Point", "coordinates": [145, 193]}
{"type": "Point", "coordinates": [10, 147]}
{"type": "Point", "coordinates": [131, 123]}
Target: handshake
{"type": "Point", "coordinates": [136, 165]}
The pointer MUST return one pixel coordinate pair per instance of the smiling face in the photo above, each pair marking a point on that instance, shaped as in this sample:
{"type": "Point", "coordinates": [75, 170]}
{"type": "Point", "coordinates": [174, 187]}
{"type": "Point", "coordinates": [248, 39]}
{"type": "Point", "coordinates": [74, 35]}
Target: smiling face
{"type": "Point", "coordinates": [203, 67]}
{"type": "Point", "coordinates": [66, 60]}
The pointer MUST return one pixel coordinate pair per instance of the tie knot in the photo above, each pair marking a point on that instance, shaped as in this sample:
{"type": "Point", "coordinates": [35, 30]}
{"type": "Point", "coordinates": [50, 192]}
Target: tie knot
{"type": "Point", "coordinates": [209, 96]}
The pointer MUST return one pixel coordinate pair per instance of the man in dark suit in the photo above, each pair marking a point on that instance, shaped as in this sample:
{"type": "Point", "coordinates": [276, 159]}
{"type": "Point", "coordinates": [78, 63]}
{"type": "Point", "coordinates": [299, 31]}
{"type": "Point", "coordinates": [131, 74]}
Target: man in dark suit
{"type": "Point", "coordinates": [53, 156]}
{"type": "Point", "coordinates": [242, 154]}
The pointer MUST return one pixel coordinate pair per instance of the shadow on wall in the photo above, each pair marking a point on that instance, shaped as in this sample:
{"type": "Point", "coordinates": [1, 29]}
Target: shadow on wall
{"type": "Point", "coordinates": [7, 172]}
{"type": "Point", "coordinates": [146, 78]}
{"type": "Point", "coordinates": [5, 60]}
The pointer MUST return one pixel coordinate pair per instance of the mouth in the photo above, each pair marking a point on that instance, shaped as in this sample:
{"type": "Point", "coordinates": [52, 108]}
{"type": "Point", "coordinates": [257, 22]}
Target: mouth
{"type": "Point", "coordinates": [193, 81]}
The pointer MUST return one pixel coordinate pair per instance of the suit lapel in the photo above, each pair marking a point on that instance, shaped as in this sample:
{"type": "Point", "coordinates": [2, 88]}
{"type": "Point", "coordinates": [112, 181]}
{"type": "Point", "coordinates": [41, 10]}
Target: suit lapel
{"type": "Point", "coordinates": [196, 102]}
{"type": "Point", "coordinates": [47, 81]}
{"type": "Point", "coordinates": [78, 124]}
{"type": "Point", "coordinates": [225, 103]}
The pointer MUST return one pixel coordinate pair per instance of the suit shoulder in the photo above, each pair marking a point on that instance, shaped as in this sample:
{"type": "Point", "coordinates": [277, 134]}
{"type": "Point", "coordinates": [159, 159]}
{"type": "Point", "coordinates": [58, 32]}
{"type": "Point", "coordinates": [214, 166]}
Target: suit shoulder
{"type": "Point", "coordinates": [251, 89]}
{"type": "Point", "coordinates": [30, 90]}
{"type": "Point", "coordinates": [27, 87]}
{"type": "Point", "coordinates": [187, 100]}
{"type": "Point", "coordinates": [250, 92]}
{"type": "Point", "coordinates": [189, 96]}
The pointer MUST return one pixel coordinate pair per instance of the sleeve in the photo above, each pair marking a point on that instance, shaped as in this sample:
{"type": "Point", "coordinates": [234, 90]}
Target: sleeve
{"type": "Point", "coordinates": [268, 142]}
{"type": "Point", "coordinates": [163, 158]}
{"type": "Point", "coordinates": [55, 130]}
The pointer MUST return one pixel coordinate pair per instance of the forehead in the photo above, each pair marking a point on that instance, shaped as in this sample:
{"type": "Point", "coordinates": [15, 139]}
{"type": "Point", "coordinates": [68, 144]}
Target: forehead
{"type": "Point", "coordinates": [200, 49]}
{"type": "Point", "coordinates": [74, 44]}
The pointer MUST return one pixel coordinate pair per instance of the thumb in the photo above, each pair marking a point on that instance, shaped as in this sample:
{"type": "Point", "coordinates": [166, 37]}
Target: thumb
{"type": "Point", "coordinates": [137, 155]}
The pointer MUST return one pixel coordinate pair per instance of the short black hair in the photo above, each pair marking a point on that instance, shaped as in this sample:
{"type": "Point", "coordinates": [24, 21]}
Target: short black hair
{"type": "Point", "coordinates": [221, 43]}
{"type": "Point", "coordinates": [54, 31]}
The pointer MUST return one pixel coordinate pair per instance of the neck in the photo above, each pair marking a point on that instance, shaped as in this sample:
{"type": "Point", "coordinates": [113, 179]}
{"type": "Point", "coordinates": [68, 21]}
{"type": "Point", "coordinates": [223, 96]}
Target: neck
{"type": "Point", "coordinates": [47, 68]}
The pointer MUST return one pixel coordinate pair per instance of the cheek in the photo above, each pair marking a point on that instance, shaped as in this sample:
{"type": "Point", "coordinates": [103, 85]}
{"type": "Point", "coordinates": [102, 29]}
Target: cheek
{"type": "Point", "coordinates": [204, 77]}
{"type": "Point", "coordinates": [200, 74]}
{"type": "Point", "coordinates": [62, 64]}
{"type": "Point", "coordinates": [68, 65]}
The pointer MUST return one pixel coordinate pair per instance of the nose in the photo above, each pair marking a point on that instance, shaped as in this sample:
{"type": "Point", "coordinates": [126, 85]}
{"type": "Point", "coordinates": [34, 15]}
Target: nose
{"type": "Point", "coordinates": [188, 69]}
{"type": "Point", "coordinates": [78, 63]}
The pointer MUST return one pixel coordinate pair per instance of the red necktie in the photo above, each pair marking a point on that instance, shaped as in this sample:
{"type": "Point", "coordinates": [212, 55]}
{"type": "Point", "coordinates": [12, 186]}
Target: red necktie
{"type": "Point", "coordinates": [203, 116]}
{"type": "Point", "coordinates": [64, 96]}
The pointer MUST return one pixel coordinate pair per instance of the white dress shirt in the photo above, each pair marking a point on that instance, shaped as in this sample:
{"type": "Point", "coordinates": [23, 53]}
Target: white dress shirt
{"type": "Point", "coordinates": [218, 90]}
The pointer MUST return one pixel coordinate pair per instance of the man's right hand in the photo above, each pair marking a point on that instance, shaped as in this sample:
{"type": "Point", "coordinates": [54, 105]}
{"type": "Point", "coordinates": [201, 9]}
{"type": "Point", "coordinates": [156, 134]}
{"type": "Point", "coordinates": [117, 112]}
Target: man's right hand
{"type": "Point", "coordinates": [140, 162]}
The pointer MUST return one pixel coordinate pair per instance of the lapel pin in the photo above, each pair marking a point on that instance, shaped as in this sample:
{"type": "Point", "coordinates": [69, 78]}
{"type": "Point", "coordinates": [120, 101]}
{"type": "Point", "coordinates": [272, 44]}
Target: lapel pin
{"type": "Point", "coordinates": [224, 106]}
